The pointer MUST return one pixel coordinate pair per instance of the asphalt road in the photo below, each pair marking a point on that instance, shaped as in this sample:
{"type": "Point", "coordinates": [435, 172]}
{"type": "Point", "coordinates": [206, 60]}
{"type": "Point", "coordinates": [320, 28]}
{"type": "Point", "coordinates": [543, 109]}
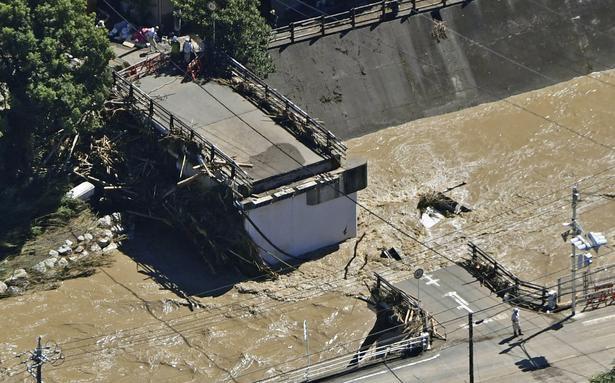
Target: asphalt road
{"type": "Point", "coordinates": [553, 348]}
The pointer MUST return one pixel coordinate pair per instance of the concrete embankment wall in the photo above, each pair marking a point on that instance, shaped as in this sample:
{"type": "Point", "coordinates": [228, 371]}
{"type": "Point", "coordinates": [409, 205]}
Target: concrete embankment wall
{"type": "Point", "coordinates": [393, 72]}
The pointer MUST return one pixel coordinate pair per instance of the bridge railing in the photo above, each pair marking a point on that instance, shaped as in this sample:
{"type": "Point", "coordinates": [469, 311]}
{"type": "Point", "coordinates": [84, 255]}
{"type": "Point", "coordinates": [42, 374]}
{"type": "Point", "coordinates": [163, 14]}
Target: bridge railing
{"type": "Point", "coordinates": [351, 362]}
{"type": "Point", "coordinates": [223, 168]}
{"type": "Point", "coordinates": [355, 17]}
{"type": "Point", "coordinates": [430, 323]}
{"type": "Point", "coordinates": [310, 129]}
{"type": "Point", "coordinates": [503, 282]}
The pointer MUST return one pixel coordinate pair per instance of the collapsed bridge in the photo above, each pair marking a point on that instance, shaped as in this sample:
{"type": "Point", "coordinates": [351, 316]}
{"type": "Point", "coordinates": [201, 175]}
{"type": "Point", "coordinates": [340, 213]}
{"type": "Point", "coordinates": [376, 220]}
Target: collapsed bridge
{"type": "Point", "coordinates": [288, 175]}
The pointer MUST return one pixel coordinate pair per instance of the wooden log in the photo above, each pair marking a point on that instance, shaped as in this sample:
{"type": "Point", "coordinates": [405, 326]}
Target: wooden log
{"type": "Point", "coordinates": [189, 180]}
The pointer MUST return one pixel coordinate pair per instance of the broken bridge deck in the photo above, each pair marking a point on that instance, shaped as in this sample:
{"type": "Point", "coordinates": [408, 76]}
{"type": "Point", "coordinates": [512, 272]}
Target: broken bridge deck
{"type": "Point", "coordinates": [233, 124]}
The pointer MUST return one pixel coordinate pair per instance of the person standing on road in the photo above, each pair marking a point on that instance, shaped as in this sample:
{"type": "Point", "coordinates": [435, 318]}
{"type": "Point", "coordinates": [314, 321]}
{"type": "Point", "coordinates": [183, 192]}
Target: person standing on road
{"type": "Point", "coordinates": [515, 322]}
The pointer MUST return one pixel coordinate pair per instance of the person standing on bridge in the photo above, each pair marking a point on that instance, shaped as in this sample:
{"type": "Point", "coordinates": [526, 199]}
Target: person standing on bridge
{"type": "Point", "coordinates": [515, 322]}
{"type": "Point", "coordinates": [188, 48]}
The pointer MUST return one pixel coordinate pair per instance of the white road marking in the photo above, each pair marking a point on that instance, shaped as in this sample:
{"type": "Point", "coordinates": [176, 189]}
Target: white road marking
{"type": "Point", "coordinates": [463, 304]}
{"type": "Point", "coordinates": [598, 320]}
{"type": "Point", "coordinates": [414, 363]}
{"type": "Point", "coordinates": [366, 376]}
{"type": "Point", "coordinates": [493, 318]}
{"type": "Point", "coordinates": [394, 369]}
{"type": "Point", "coordinates": [431, 281]}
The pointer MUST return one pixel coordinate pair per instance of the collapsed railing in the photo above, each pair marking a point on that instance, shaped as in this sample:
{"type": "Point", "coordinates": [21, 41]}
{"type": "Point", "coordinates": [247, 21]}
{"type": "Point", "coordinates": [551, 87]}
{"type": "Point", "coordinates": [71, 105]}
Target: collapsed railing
{"type": "Point", "coordinates": [353, 18]}
{"type": "Point", "coordinates": [504, 283]}
{"type": "Point", "coordinates": [222, 168]}
{"type": "Point", "coordinates": [407, 308]}
{"type": "Point", "coordinates": [593, 287]}
{"type": "Point", "coordinates": [304, 127]}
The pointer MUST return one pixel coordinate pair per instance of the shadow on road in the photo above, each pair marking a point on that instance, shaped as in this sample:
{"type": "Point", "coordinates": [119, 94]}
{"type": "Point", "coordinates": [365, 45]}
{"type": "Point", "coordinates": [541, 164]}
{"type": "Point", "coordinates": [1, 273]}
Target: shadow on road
{"type": "Point", "coordinates": [553, 327]}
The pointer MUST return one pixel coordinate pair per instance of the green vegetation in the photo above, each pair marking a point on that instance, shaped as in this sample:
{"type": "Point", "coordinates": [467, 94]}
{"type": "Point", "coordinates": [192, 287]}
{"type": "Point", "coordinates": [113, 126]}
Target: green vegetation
{"type": "Point", "coordinates": [607, 377]}
{"type": "Point", "coordinates": [54, 80]}
{"type": "Point", "coordinates": [53, 64]}
{"type": "Point", "coordinates": [240, 30]}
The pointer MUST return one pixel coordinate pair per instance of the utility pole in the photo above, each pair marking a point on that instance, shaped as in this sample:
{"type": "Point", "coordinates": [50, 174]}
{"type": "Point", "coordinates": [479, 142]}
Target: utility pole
{"type": "Point", "coordinates": [39, 356]}
{"type": "Point", "coordinates": [573, 257]}
{"type": "Point", "coordinates": [471, 346]}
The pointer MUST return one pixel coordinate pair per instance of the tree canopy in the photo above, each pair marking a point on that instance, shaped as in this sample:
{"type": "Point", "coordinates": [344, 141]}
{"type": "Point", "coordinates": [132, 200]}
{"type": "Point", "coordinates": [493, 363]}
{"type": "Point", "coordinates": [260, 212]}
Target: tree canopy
{"type": "Point", "coordinates": [54, 66]}
{"type": "Point", "coordinates": [240, 30]}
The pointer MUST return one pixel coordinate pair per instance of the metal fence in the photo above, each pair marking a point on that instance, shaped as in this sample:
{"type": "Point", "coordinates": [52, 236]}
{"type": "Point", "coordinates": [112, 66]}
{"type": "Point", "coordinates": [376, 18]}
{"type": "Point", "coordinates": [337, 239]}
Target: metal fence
{"type": "Point", "coordinates": [351, 362]}
{"type": "Point", "coordinates": [503, 282]}
{"type": "Point", "coordinates": [223, 168]}
{"type": "Point", "coordinates": [593, 285]}
{"type": "Point", "coordinates": [306, 129]}
{"type": "Point", "coordinates": [353, 18]}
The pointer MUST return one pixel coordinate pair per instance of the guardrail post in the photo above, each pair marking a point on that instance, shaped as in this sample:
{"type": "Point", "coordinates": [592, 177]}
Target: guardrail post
{"type": "Point", "coordinates": [286, 106]}
{"type": "Point", "coordinates": [212, 154]}
{"type": "Point", "coordinates": [171, 123]}
{"type": "Point", "coordinates": [559, 290]}
{"type": "Point", "coordinates": [353, 17]}
{"type": "Point", "coordinates": [473, 247]}
{"type": "Point", "coordinates": [191, 135]}
{"type": "Point", "coordinates": [322, 25]}
{"type": "Point", "coordinates": [130, 91]}
{"type": "Point", "coordinates": [266, 92]}
{"type": "Point", "coordinates": [151, 108]}
{"type": "Point", "coordinates": [543, 298]}
{"type": "Point", "coordinates": [383, 7]}
{"type": "Point", "coordinates": [413, 5]}
{"type": "Point", "coordinates": [292, 32]}
{"type": "Point", "coordinates": [114, 75]}
{"type": "Point", "coordinates": [233, 170]}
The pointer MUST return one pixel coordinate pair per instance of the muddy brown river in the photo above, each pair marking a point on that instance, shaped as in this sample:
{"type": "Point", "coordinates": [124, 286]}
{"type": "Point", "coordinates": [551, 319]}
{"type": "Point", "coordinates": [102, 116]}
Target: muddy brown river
{"type": "Point", "coordinates": [120, 325]}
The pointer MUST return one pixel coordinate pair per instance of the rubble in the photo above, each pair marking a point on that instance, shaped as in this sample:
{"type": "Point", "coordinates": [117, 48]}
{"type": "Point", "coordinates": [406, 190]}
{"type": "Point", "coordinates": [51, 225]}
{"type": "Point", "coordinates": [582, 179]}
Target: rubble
{"type": "Point", "coordinates": [102, 239]}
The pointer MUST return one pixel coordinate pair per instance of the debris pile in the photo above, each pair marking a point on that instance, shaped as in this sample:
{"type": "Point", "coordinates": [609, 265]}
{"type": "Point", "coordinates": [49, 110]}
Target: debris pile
{"type": "Point", "coordinates": [435, 206]}
{"type": "Point", "coordinates": [73, 258]}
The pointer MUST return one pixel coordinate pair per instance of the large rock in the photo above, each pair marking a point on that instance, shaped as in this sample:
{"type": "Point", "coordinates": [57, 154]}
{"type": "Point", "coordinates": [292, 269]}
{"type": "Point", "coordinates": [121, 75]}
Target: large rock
{"type": "Point", "coordinates": [3, 288]}
{"type": "Point", "coordinates": [53, 253]}
{"type": "Point", "coordinates": [64, 250]}
{"type": "Point", "coordinates": [107, 233]}
{"type": "Point", "coordinates": [68, 243]}
{"type": "Point", "coordinates": [103, 242]}
{"type": "Point", "coordinates": [62, 263]}
{"type": "Point", "coordinates": [79, 249]}
{"type": "Point", "coordinates": [81, 238]}
{"type": "Point", "coordinates": [19, 274]}
{"type": "Point", "coordinates": [105, 222]}
{"type": "Point", "coordinates": [14, 290]}
{"type": "Point", "coordinates": [50, 263]}
{"type": "Point", "coordinates": [88, 237]}
{"type": "Point", "coordinates": [95, 248]}
{"type": "Point", "coordinates": [40, 268]}
{"type": "Point", "coordinates": [112, 246]}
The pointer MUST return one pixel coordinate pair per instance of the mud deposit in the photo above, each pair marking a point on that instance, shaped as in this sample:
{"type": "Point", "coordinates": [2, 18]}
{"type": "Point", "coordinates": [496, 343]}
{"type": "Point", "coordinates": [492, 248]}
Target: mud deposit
{"type": "Point", "coordinates": [121, 326]}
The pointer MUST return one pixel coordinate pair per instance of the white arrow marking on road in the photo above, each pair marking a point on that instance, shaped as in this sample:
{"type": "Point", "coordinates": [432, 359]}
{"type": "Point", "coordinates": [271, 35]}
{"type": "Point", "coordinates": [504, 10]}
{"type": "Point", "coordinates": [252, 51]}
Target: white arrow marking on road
{"type": "Point", "coordinates": [431, 281]}
{"type": "Point", "coordinates": [462, 303]}
{"type": "Point", "coordinates": [598, 320]}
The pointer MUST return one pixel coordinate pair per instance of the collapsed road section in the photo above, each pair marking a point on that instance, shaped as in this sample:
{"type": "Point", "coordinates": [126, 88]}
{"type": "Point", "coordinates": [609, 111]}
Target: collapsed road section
{"type": "Point", "coordinates": [288, 175]}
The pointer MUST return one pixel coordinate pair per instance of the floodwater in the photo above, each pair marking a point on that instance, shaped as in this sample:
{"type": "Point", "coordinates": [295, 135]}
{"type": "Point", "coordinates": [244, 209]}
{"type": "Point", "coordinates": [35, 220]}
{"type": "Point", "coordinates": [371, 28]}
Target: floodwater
{"type": "Point", "coordinates": [121, 326]}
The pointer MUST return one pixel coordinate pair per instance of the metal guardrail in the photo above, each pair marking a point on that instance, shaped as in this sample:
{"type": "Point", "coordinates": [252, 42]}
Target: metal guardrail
{"type": "Point", "coordinates": [224, 169]}
{"type": "Point", "coordinates": [310, 129]}
{"type": "Point", "coordinates": [353, 18]}
{"type": "Point", "coordinates": [588, 283]}
{"type": "Point", "coordinates": [351, 362]}
{"type": "Point", "coordinates": [503, 282]}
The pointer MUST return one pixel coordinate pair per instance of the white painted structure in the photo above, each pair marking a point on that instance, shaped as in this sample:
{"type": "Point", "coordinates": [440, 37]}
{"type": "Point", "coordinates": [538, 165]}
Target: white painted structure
{"type": "Point", "coordinates": [297, 227]}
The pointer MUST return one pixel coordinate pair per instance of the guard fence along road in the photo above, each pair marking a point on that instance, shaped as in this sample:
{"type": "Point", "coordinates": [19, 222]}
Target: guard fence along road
{"type": "Point", "coordinates": [353, 18]}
